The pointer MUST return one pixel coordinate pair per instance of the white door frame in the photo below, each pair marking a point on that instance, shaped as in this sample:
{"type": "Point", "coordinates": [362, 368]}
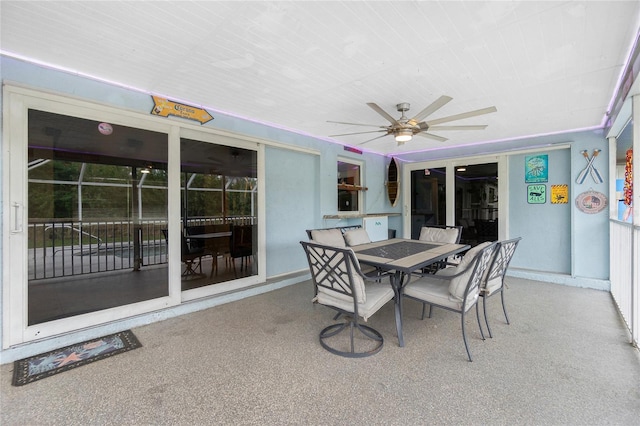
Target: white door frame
{"type": "Point", "coordinates": [17, 101]}
{"type": "Point", "coordinates": [450, 165]}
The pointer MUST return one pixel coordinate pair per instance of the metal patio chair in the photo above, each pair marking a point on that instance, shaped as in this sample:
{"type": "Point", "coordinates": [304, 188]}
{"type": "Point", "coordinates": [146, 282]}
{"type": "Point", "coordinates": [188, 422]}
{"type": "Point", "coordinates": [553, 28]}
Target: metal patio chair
{"type": "Point", "coordinates": [494, 279]}
{"type": "Point", "coordinates": [457, 288]}
{"type": "Point", "coordinates": [340, 285]}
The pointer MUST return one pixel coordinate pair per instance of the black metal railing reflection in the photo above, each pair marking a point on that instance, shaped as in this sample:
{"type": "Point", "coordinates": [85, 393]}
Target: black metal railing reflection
{"type": "Point", "coordinates": [68, 248]}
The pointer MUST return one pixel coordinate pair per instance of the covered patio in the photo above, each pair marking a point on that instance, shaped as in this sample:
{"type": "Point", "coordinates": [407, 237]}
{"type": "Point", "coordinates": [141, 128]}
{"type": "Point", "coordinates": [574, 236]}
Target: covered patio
{"type": "Point", "coordinates": [566, 358]}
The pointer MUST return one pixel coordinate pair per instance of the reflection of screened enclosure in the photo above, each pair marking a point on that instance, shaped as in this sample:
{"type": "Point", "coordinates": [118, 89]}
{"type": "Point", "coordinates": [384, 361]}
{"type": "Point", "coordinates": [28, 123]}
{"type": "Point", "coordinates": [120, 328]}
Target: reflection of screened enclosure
{"type": "Point", "coordinates": [98, 210]}
{"type": "Point", "coordinates": [89, 218]}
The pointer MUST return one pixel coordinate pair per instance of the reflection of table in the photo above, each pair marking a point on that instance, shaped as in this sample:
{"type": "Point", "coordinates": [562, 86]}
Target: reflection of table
{"type": "Point", "coordinates": [210, 236]}
{"type": "Point", "coordinates": [403, 257]}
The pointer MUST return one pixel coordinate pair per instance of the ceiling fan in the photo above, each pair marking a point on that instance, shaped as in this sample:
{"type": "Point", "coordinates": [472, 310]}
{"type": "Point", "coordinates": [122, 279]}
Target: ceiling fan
{"type": "Point", "coordinates": [403, 129]}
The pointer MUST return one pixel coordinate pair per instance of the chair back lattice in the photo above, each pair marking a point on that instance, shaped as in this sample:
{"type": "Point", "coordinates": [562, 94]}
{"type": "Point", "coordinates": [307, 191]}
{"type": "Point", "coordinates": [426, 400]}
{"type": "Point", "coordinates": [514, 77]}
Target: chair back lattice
{"type": "Point", "coordinates": [482, 263]}
{"type": "Point", "coordinates": [335, 271]}
{"type": "Point", "coordinates": [502, 258]}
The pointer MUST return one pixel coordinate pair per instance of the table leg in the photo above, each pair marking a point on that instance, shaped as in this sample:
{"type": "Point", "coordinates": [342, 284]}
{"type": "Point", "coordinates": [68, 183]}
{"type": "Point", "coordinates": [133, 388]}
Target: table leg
{"type": "Point", "coordinates": [396, 283]}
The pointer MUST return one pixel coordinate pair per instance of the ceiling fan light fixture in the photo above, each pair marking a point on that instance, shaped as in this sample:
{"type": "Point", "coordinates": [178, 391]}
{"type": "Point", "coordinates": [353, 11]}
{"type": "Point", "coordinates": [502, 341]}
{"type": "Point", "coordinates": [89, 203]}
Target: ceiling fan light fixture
{"type": "Point", "coordinates": [404, 135]}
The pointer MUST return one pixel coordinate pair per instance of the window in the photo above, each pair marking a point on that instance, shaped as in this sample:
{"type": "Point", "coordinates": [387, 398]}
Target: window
{"type": "Point", "coordinates": [349, 186]}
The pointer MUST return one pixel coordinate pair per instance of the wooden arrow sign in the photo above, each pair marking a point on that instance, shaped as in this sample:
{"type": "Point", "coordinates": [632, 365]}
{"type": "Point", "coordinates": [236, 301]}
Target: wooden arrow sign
{"type": "Point", "coordinates": [164, 108]}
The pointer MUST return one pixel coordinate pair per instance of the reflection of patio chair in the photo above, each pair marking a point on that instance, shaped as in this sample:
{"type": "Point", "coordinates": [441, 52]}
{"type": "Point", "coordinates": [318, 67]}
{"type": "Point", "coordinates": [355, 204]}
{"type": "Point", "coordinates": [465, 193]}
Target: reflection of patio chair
{"type": "Point", "coordinates": [220, 246]}
{"type": "Point", "coordinates": [192, 259]}
{"type": "Point", "coordinates": [190, 256]}
{"type": "Point", "coordinates": [241, 245]}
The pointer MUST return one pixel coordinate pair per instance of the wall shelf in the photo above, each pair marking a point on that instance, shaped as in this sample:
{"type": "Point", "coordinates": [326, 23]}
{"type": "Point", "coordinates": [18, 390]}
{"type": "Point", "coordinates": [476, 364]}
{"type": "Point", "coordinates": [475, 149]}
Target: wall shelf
{"type": "Point", "coordinates": [345, 187]}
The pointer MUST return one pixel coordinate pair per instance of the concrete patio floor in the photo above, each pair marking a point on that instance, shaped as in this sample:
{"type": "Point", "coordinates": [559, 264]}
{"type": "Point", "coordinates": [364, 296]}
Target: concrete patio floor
{"type": "Point", "coordinates": [564, 360]}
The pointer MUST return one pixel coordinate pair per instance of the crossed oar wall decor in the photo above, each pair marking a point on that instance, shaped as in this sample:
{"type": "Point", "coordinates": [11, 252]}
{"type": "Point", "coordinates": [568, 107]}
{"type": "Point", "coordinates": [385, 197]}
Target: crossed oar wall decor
{"type": "Point", "coordinates": [590, 168]}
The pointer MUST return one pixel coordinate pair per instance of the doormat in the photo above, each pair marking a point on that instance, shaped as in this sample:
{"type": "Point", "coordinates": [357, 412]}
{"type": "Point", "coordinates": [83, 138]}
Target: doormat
{"type": "Point", "coordinates": [44, 365]}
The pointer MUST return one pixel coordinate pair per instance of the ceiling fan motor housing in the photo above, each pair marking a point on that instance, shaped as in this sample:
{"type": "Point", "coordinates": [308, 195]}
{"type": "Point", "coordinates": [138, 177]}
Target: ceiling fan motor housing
{"type": "Point", "coordinates": [402, 107]}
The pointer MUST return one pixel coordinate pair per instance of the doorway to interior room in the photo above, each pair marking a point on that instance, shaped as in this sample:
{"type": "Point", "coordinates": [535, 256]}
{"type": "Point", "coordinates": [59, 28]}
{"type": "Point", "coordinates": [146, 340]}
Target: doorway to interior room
{"type": "Point", "coordinates": [463, 195]}
{"type": "Point", "coordinates": [476, 207]}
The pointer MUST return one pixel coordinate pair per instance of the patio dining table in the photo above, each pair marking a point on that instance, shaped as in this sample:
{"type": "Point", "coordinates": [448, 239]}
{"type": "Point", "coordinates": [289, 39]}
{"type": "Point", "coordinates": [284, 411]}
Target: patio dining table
{"type": "Point", "coordinates": [403, 257]}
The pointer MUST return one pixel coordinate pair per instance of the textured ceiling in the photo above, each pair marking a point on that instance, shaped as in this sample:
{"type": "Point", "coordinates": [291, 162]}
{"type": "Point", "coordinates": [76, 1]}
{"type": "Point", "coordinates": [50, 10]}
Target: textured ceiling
{"type": "Point", "coordinates": [547, 66]}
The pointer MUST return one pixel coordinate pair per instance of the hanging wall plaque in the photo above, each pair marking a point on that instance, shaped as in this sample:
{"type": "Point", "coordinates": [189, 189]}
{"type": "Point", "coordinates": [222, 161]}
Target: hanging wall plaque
{"type": "Point", "coordinates": [591, 202]}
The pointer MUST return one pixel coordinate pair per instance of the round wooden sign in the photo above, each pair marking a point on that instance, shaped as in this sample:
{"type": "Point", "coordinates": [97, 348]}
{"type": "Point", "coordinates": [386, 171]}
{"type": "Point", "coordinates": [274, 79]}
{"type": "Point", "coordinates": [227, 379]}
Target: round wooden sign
{"type": "Point", "coordinates": [591, 202]}
{"type": "Point", "coordinates": [393, 183]}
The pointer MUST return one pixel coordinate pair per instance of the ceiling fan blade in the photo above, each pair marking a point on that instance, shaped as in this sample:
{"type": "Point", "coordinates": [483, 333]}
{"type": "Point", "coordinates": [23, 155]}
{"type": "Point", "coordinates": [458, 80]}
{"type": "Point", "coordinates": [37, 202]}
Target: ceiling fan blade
{"type": "Point", "coordinates": [382, 112]}
{"type": "Point", "coordinates": [436, 105]}
{"type": "Point", "coordinates": [463, 115]}
{"type": "Point", "coordinates": [469, 127]}
{"type": "Point", "coordinates": [432, 136]}
{"type": "Point", "coordinates": [370, 140]}
{"type": "Point", "coordinates": [356, 124]}
{"type": "Point", "coordinates": [357, 133]}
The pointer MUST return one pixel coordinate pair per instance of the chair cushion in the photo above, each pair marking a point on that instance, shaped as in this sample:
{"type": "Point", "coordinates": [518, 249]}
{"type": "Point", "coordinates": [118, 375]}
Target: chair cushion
{"type": "Point", "coordinates": [377, 294]}
{"type": "Point", "coordinates": [329, 237]}
{"type": "Point", "coordinates": [440, 235]}
{"type": "Point", "coordinates": [356, 237]}
{"type": "Point", "coordinates": [434, 291]}
{"type": "Point", "coordinates": [492, 286]}
{"type": "Point", "coordinates": [458, 285]}
{"type": "Point", "coordinates": [471, 254]}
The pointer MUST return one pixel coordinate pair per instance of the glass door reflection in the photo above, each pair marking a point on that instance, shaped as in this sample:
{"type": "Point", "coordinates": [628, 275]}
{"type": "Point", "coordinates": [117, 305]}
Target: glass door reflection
{"type": "Point", "coordinates": [97, 204]}
{"type": "Point", "coordinates": [218, 213]}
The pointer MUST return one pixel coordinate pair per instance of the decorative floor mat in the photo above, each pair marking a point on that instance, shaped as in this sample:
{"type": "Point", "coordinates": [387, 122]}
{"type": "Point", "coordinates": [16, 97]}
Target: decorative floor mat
{"type": "Point", "coordinates": [44, 365]}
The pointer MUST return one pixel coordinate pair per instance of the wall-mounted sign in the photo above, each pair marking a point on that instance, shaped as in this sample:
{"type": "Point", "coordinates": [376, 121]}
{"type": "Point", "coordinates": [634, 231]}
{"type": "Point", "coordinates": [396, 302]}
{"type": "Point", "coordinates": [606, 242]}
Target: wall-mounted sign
{"type": "Point", "coordinates": [591, 202]}
{"type": "Point", "coordinates": [536, 194]}
{"type": "Point", "coordinates": [560, 194]}
{"type": "Point", "coordinates": [536, 168]}
{"type": "Point", "coordinates": [164, 108]}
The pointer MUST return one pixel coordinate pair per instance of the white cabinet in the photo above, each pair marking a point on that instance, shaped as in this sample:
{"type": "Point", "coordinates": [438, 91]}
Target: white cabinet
{"type": "Point", "coordinates": [377, 227]}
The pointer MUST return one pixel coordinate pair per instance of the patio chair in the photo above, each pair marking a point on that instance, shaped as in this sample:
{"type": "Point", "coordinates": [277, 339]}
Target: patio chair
{"type": "Point", "coordinates": [340, 285]}
{"type": "Point", "coordinates": [457, 288]}
{"type": "Point", "coordinates": [344, 237]}
{"type": "Point", "coordinates": [494, 279]}
{"type": "Point", "coordinates": [440, 234]}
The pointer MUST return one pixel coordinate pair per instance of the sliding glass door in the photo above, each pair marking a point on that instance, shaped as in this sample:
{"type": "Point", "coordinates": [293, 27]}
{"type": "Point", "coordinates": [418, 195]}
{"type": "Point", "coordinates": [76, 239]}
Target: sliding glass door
{"type": "Point", "coordinates": [111, 214]}
{"type": "Point", "coordinates": [461, 192]}
{"type": "Point", "coordinates": [97, 205]}
{"type": "Point", "coordinates": [476, 207]}
{"type": "Point", "coordinates": [219, 226]}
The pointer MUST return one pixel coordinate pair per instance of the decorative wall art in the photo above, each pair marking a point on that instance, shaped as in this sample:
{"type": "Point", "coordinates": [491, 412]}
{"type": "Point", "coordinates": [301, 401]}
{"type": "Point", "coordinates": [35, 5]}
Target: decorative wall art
{"type": "Point", "coordinates": [590, 169]}
{"type": "Point", "coordinates": [560, 194]}
{"type": "Point", "coordinates": [591, 202]}
{"type": "Point", "coordinates": [393, 185]}
{"type": "Point", "coordinates": [628, 186]}
{"type": "Point", "coordinates": [536, 194]}
{"type": "Point", "coordinates": [536, 168]}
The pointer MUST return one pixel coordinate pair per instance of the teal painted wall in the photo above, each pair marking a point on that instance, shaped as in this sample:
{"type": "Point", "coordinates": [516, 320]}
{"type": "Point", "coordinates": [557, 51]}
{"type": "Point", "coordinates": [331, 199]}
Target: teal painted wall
{"type": "Point", "coordinates": [579, 241]}
{"type": "Point", "coordinates": [545, 228]}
